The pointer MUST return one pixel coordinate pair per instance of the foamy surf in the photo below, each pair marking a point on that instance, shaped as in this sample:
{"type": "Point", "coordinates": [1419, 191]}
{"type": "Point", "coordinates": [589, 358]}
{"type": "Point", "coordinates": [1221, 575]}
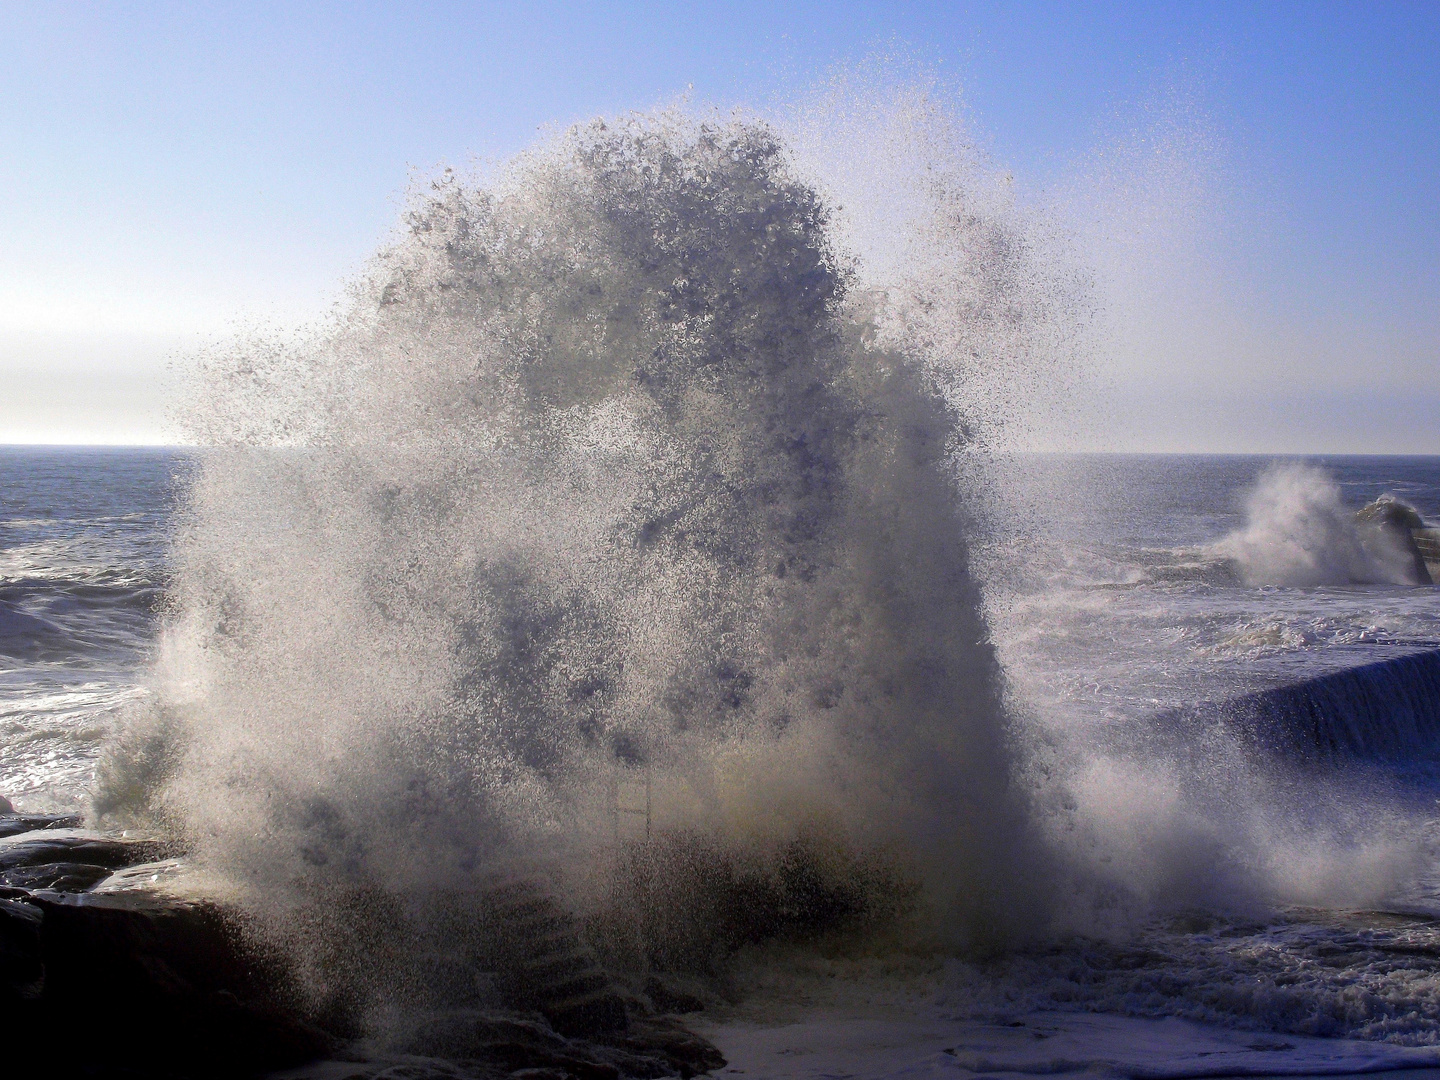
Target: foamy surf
{"type": "Point", "coordinates": [625, 460]}
{"type": "Point", "coordinates": [844, 1045]}
{"type": "Point", "coordinates": [642, 466]}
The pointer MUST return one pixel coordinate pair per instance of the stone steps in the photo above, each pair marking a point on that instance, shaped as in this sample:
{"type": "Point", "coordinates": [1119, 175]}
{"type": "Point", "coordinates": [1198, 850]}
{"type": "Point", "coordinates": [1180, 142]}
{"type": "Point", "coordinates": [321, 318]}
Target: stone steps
{"type": "Point", "coordinates": [542, 962]}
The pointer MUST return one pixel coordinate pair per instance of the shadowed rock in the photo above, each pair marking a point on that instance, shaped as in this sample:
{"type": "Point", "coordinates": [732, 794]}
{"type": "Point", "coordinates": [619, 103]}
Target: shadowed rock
{"type": "Point", "coordinates": [133, 980]}
{"type": "Point", "coordinates": [534, 948]}
{"type": "Point", "coordinates": [65, 877]}
{"type": "Point", "coordinates": [163, 985]}
{"type": "Point", "coordinates": [110, 853]}
{"type": "Point", "coordinates": [12, 824]}
{"type": "Point", "coordinates": [1390, 530]}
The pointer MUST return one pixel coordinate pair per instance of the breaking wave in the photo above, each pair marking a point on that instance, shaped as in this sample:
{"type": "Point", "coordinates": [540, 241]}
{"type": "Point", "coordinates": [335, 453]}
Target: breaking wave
{"type": "Point", "coordinates": [613, 540]}
{"type": "Point", "coordinates": [1298, 532]}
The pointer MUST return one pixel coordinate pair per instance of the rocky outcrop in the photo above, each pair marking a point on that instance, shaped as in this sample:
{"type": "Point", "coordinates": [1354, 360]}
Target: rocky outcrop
{"type": "Point", "coordinates": [647, 1049]}
{"type": "Point", "coordinates": [12, 824]}
{"type": "Point", "coordinates": [164, 986]}
{"type": "Point", "coordinates": [1427, 544]}
{"type": "Point", "coordinates": [101, 978]}
{"type": "Point", "coordinates": [110, 982]}
{"type": "Point", "coordinates": [541, 963]}
{"type": "Point", "coordinates": [1390, 531]}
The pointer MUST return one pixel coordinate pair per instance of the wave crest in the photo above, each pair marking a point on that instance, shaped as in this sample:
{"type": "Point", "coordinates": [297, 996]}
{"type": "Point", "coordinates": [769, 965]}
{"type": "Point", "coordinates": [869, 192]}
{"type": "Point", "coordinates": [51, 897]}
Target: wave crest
{"type": "Point", "coordinates": [1298, 532]}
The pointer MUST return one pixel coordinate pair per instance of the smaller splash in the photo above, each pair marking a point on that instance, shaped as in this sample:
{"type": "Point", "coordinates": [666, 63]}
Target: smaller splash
{"type": "Point", "coordinates": [1298, 532]}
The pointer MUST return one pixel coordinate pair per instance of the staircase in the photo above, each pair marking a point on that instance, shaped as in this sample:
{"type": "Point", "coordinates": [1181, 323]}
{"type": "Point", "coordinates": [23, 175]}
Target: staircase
{"type": "Point", "coordinates": [541, 963]}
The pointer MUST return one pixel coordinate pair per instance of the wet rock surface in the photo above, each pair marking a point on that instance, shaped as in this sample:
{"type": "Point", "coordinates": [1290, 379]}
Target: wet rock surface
{"type": "Point", "coordinates": [100, 852]}
{"type": "Point", "coordinates": [12, 824]}
{"type": "Point", "coordinates": [491, 1045]}
{"type": "Point", "coordinates": [156, 987]}
{"type": "Point", "coordinates": [1398, 530]}
{"type": "Point", "coordinates": [108, 979]}
{"type": "Point", "coordinates": [540, 959]}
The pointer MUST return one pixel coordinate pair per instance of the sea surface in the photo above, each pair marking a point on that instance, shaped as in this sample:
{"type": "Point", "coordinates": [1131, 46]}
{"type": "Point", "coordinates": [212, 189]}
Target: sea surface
{"type": "Point", "coordinates": [1122, 606]}
{"type": "Point", "coordinates": [83, 540]}
{"type": "Point", "coordinates": [1109, 599]}
{"type": "Point", "coordinates": [1116, 593]}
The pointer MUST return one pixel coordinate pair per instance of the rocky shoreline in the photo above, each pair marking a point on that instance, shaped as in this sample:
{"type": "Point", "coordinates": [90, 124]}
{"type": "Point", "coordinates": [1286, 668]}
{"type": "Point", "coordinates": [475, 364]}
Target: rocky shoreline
{"type": "Point", "coordinates": [104, 977]}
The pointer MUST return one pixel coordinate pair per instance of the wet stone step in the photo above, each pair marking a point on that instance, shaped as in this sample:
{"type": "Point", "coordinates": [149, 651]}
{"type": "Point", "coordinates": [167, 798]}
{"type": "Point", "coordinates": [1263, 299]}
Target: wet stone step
{"type": "Point", "coordinates": [542, 962]}
{"type": "Point", "coordinates": [530, 1050]}
{"type": "Point", "coordinates": [597, 1012]}
{"type": "Point", "coordinates": [588, 981]}
{"type": "Point", "coordinates": [510, 1044]}
{"type": "Point", "coordinates": [556, 967]}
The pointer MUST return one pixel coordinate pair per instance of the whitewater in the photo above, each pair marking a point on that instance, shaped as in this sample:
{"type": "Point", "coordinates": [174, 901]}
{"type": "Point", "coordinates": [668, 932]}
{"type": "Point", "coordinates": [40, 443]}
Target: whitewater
{"type": "Point", "coordinates": [649, 528]}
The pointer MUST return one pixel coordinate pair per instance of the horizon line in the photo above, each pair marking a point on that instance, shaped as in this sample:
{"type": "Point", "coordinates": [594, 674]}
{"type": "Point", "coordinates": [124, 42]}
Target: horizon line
{"type": "Point", "coordinates": [178, 446]}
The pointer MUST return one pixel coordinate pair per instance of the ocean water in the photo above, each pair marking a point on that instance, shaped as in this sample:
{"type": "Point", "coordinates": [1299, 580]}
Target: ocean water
{"type": "Point", "coordinates": [83, 541]}
{"type": "Point", "coordinates": [1247, 716]}
{"type": "Point", "coordinates": [1126, 586]}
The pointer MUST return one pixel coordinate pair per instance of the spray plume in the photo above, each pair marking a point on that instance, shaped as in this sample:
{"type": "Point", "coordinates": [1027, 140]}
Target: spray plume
{"type": "Point", "coordinates": [629, 461]}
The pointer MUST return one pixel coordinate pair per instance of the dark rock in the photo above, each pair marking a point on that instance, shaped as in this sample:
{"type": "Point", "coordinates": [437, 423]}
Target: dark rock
{"type": "Point", "coordinates": [648, 1050]}
{"type": "Point", "coordinates": [56, 877]}
{"type": "Point", "coordinates": [147, 983]}
{"type": "Point", "coordinates": [593, 1011]}
{"type": "Point", "coordinates": [1390, 530]}
{"type": "Point", "coordinates": [137, 982]}
{"type": "Point", "coordinates": [12, 824]}
{"type": "Point", "coordinates": [686, 904]}
{"type": "Point", "coordinates": [22, 966]}
{"type": "Point", "coordinates": [466, 1032]}
{"type": "Point", "coordinates": [540, 961]}
{"type": "Point", "coordinates": [428, 1070]}
{"type": "Point", "coordinates": [112, 853]}
{"type": "Point", "coordinates": [685, 1053]}
{"type": "Point", "coordinates": [671, 994]}
{"type": "Point", "coordinates": [509, 1044]}
{"type": "Point", "coordinates": [468, 1070]}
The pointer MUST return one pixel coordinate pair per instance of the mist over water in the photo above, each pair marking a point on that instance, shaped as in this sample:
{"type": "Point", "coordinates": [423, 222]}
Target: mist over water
{"type": "Point", "coordinates": [1163, 786]}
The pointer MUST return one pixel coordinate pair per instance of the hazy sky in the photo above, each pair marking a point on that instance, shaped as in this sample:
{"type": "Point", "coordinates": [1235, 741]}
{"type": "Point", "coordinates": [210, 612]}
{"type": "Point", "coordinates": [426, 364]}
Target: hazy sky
{"type": "Point", "coordinates": [168, 172]}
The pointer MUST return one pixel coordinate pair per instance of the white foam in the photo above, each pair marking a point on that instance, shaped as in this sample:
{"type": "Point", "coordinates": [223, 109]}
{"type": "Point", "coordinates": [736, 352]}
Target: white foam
{"type": "Point", "coordinates": [1298, 533]}
{"type": "Point", "coordinates": [620, 455]}
{"type": "Point", "coordinates": [843, 1045]}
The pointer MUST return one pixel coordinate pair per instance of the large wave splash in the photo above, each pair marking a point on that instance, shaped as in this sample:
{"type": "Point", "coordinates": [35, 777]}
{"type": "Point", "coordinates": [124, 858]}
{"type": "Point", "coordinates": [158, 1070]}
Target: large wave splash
{"type": "Point", "coordinates": [618, 471]}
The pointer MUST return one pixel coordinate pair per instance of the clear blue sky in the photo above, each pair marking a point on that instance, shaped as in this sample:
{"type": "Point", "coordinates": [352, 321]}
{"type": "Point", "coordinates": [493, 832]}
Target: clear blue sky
{"type": "Point", "coordinates": [168, 169]}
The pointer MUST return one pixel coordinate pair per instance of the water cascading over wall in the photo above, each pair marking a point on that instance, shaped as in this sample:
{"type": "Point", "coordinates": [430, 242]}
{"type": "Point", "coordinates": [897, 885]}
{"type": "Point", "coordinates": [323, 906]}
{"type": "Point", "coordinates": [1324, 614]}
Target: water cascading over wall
{"type": "Point", "coordinates": [617, 463]}
{"type": "Point", "coordinates": [1384, 709]}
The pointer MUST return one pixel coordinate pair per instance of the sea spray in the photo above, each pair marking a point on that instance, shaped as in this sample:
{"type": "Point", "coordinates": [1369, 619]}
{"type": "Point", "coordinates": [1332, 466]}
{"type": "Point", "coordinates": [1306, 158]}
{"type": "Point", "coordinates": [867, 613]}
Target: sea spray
{"type": "Point", "coordinates": [614, 469]}
{"type": "Point", "coordinates": [1298, 533]}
